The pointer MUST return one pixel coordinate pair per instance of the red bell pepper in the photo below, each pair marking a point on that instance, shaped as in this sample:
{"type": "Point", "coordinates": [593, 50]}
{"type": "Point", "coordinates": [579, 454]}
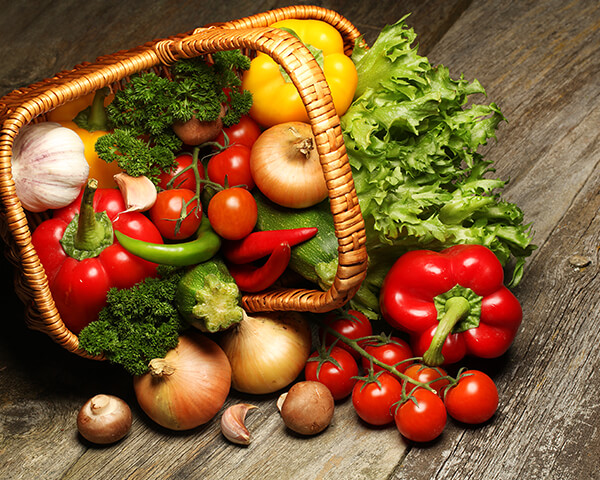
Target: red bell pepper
{"type": "Point", "coordinates": [452, 303]}
{"type": "Point", "coordinates": [81, 257]}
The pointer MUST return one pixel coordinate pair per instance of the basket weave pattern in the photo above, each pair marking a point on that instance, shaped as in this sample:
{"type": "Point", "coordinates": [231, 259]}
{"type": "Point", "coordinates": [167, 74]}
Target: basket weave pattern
{"type": "Point", "coordinates": [250, 34]}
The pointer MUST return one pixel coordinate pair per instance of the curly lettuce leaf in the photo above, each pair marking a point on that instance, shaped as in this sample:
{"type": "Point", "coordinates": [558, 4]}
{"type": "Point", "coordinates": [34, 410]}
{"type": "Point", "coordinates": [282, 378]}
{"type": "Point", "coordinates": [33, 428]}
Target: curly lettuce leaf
{"type": "Point", "coordinates": [412, 138]}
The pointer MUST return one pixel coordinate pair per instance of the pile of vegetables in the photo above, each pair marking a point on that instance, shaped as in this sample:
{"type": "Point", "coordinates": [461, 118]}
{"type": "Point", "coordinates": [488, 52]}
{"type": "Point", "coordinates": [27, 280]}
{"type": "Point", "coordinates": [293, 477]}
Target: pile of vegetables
{"type": "Point", "coordinates": [203, 186]}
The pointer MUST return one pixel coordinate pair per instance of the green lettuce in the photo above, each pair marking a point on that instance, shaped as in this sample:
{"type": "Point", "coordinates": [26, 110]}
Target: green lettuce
{"type": "Point", "coordinates": [412, 138]}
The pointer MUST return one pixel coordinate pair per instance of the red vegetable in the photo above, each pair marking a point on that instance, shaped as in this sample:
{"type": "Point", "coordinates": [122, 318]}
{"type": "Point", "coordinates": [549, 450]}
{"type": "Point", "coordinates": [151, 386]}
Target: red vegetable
{"type": "Point", "coordinates": [473, 399]}
{"type": "Point", "coordinates": [422, 417]}
{"type": "Point", "coordinates": [392, 351]}
{"type": "Point", "coordinates": [260, 244]}
{"type": "Point", "coordinates": [374, 396]}
{"type": "Point", "coordinates": [335, 368]}
{"type": "Point", "coordinates": [351, 324]}
{"type": "Point", "coordinates": [251, 278]}
{"type": "Point", "coordinates": [452, 303]}
{"type": "Point", "coordinates": [82, 259]}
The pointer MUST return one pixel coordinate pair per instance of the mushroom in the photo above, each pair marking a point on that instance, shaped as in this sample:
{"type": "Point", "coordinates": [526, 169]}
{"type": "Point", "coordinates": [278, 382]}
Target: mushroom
{"type": "Point", "coordinates": [307, 408]}
{"type": "Point", "coordinates": [104, 419]}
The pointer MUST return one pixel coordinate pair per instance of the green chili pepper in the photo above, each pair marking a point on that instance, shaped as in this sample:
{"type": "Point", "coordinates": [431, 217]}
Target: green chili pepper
{"type": "Point", "coordinates": [203, 247]}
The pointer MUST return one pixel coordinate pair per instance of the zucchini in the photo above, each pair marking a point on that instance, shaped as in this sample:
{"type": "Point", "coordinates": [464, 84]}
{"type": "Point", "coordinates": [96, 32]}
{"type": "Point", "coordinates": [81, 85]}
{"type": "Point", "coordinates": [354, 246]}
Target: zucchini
{"type": "Point", "coordinates": [316, 259]}
{"type": "Point", "coordinates": [208, 298]}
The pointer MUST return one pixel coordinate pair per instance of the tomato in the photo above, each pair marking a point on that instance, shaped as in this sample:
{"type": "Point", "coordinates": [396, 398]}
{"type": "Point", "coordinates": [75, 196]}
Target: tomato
{"type": "Point", "coordinates": [245, 132]}
{"type": "Point", "coordinates": [168, 209]}
{"type": "Point", "coordinates": [423, 419]}
{"type": "Point", "coordinates": [391, 353]}
{"type": "Point", "coordinates": [474, 399]}
{"type": "Point", "coordinates": [352, 324]}
{"type": "Point", "coordinates": [425, 374]}
{"type": "Point", "coordinates": [335, 370]}
{"type": "Point", "coordinates": [232, 213]}
{"type": "Point", "coordinates": [233, 163]}
{"type": "Point", "coordinates": [183, 180]}
{"type": "Point", "coordinates": [373, 400]}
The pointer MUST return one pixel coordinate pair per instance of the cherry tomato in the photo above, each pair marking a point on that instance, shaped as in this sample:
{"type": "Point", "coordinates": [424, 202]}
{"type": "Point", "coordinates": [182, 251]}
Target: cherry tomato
{"type": "Point", "coordinates": [352, 325]}
{"type": "Point", "coordinates": [373, 400]}
{"type": "Point", "coordinates": [474, 399]}
{"type": "Point", "coordinates": [233, 163]}
{"type": "Point", "coordinates": [245, 132]}
{"type": "Point", "coordinates": [423, 419]}
{"type": "Point", "coordinates": [335, 373]}
{"type": "Point", "coordinates": [391, 353]}
{"type": "Point", "coordinates": [183, 180]}
{"type": "Point", "coordinates": [425, 374]}
{"type": "Point", "coordinates": [167, 210]}
{"type": "Point", "coordinates": [232, 213]}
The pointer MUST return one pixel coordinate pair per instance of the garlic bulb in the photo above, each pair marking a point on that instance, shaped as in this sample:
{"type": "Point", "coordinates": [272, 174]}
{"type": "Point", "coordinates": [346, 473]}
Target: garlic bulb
{"type": "Point", "coordinates": [48, 166]}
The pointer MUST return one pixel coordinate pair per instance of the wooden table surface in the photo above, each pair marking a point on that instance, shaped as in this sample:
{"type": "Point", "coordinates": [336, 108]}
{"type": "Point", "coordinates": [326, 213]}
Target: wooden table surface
{"type": "Point", "coordinates": [540, 62]}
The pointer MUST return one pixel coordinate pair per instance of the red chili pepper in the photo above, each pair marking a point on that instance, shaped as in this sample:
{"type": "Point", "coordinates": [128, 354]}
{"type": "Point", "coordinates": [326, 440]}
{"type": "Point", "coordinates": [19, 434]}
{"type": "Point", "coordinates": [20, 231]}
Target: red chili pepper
{"type": "Point", "coordinates": [82, 259]}
{"type": "Point", "coordinates": [250, 278]}
{"type": "Point", "coordinates": [453, 303]}
{"type": "Point", "coordinates": [257, 245]}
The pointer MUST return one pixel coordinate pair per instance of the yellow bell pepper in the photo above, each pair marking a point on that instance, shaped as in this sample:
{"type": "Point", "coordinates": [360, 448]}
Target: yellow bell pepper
{"type": "Point", "coordinates": [276, 99]}
{"type": "Point", "coordinates": [99, 169]}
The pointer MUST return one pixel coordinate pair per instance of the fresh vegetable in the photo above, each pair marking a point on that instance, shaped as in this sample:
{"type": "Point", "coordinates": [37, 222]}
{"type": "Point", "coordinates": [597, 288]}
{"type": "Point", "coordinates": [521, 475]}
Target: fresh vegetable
{"type": "Point", "coordinates": [231, 167]}
{"type": "Point", "coordinates": [351, 324]}
{"type": "Point", "coordinates": [69, 110]}
{"type": "Point", "coordinates": [232, 213]}
{"type": "Point", "coordinates": [421, 417]}
{"type": "Point", "coordinates": [187, 387]}
{"type": "Point", "coordinates": [276, 99]}
{"type": "Point", "coordinates": [412, 136]}
{"type": "Point", "coordinates": [435, 377]}
{"type": "Point", "coordinates": [315, 259]}
{"type": "Point", "coordinates": [48, 166]}
{"type": "Point", "coordinates": [81, 258]}
{"type": "Point", "coordinates": [390, 350]}
{"type": "Point", "coordinates": [258, 245]}
{"type": "Point", "coordinates": [233, 427]}
{"type": "Point", "coordinates": [307, 408]}
{"type": "Point", "coordinates": [90, 123]}
{"type": "Point", "coordinates": [138, 323]}
{"type": "Point", "coordinates": [196, 131]}
{"type": "Point", "coordinates": [177, 213]}
{"type": "Point", "coordinates": [143, 141]}
{"type": "Point", "coordinates": [182, 175]}
{"type": "Point", "coordinates": [252, 278]}
{"type": "Point", "coordinates": [244, 132]}
{"type": "Point", "coordinates": [205, 244]}
{"type": "Point", "coordinates": [139, 193]}
{"type": "Point", "coordinates": [374, 395]}
{"type": "Point", "coordinates": [285, 166]}
{"type": "Point", "coordinates": [335, 368]}
{"type": "Point", "coordinates": [267, 351]}
{"type": "Point", "coordinates": [473, 398]}
{"type": "Point", "coordinates": [208, 298]}
{"type": "Point", "coordinates": [452, 303]}
{"type": "Point", "coordinates": [104, 419]}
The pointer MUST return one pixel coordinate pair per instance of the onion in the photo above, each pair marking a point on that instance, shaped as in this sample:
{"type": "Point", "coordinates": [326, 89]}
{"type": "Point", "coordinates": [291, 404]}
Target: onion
{"type": "Point", "coordinates": [267, 351]}
{"type": "Point", "coordinates": [188, 387]}
{"type": "Point", "coordinates": [285, 166]}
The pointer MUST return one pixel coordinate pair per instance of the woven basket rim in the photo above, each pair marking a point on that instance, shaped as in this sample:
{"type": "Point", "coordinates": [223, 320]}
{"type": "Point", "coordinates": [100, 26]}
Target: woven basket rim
{"type": "Point", "coordinates": [30, 104]}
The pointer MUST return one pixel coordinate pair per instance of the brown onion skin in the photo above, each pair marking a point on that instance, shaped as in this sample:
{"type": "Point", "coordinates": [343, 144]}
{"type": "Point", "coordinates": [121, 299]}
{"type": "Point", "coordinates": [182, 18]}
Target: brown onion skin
{"type": "Point", "coordinates": [196, 389]}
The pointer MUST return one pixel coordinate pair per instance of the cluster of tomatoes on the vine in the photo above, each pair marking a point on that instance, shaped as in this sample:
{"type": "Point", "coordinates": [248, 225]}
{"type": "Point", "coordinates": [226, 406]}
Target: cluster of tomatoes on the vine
{"type": "Point", "coordinates": [395, 386]}
{"type": "Point", "coordinates": [177, 212]}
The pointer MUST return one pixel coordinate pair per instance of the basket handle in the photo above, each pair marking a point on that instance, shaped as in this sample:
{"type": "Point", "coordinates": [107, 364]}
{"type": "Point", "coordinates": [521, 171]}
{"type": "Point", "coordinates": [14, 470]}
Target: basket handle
{"type": "Point", "coordinates": [314, 91]}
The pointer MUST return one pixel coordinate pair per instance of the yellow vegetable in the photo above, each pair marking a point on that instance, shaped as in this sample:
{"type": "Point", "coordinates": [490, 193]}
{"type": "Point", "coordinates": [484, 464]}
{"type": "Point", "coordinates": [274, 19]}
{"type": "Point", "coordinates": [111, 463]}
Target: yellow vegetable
{"type": "Point", "coordinates": [276, 99]}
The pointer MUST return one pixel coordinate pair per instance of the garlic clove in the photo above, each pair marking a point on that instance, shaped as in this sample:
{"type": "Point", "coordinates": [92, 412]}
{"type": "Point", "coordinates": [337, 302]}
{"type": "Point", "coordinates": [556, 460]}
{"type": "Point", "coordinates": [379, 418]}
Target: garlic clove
{"type": "Point", "coordinates": [139, 193]}
{"type": "Point", "coordinates": [232, 423]}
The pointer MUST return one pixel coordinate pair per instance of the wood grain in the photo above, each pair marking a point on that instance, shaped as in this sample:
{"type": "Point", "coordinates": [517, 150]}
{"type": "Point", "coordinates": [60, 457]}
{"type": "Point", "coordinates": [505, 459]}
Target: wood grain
{"type": "Point", "coordinates": [539, 61]}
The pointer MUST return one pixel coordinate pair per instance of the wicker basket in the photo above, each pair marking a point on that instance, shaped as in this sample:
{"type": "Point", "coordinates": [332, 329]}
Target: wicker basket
{"type": "Point", "coordinates": [249, 34]}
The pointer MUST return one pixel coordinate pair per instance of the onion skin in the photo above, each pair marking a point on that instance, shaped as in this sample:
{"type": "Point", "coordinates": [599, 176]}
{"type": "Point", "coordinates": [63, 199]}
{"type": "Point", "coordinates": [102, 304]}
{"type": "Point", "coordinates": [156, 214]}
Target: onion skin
{"type": "Point", "coordinates": [285, 166]}
{"type": "Point", "coordinates": [188, 387]}
{"type": "Point", "coordinates": [267, 351]}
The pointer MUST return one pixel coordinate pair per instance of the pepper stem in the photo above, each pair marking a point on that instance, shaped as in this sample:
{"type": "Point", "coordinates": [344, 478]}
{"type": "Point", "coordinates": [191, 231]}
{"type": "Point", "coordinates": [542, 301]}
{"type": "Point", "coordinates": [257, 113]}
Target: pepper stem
{"type": "Point", "coordinates": [89, 232]}
{"type": "Point", "coordinates": [456, 309]}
